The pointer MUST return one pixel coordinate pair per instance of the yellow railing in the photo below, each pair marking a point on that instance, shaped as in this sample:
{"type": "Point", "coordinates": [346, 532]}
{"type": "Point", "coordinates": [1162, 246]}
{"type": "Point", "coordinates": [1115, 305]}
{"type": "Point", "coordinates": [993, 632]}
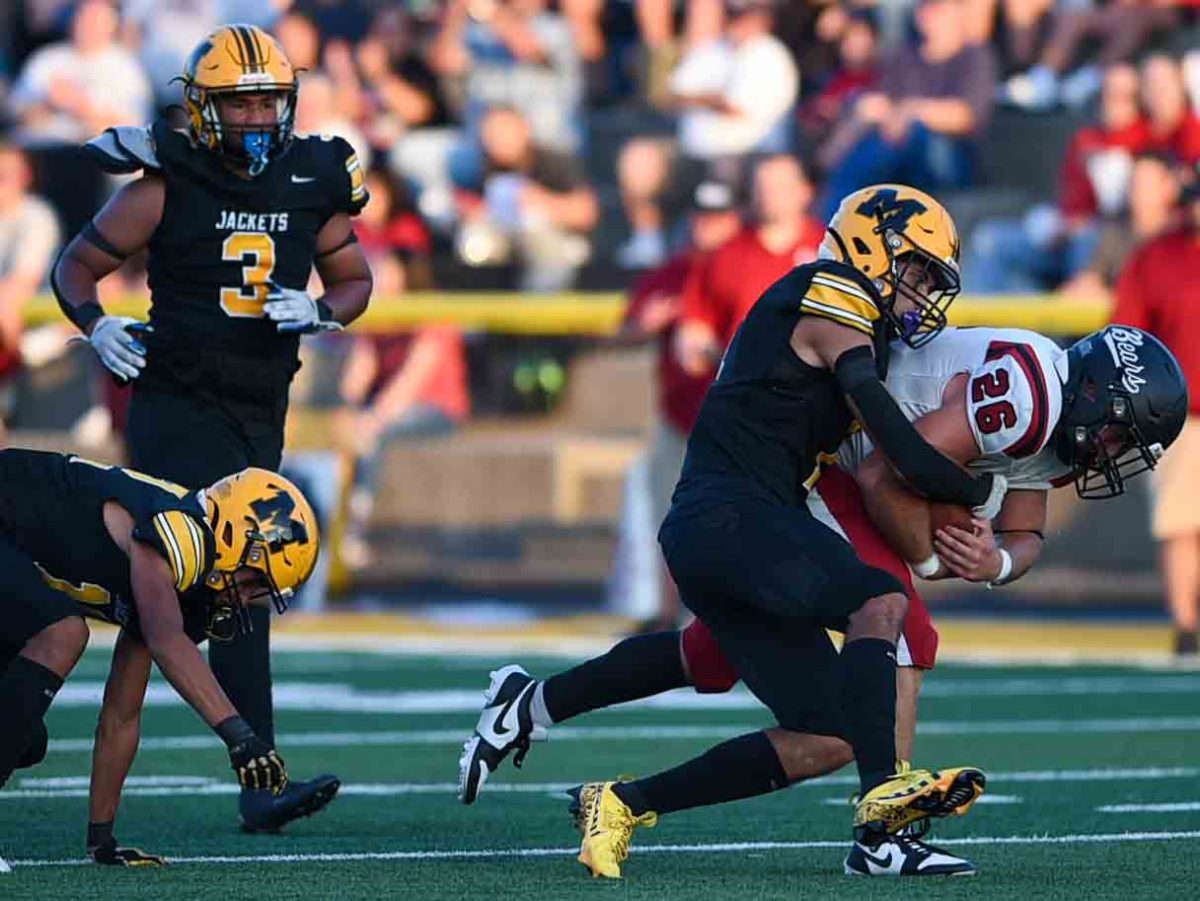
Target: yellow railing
{"type": "Point", "coordinates": [600, 313]}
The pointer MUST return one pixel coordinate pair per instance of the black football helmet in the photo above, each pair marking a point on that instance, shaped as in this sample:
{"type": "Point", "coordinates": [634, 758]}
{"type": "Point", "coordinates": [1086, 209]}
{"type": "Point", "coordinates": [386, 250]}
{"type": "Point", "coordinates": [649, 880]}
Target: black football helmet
{"type": "Point", "coordinates": [1124, 402]}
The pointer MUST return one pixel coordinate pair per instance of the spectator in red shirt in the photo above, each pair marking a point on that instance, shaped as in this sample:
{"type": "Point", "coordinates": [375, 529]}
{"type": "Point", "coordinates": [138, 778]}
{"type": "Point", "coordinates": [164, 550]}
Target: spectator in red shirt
{"type": "Point", "coordinates": [654, 308]}
{"type": "Point", "coordinates": [1174, 127]}
{"type": "Point", "coordinates": [722, 289]}
{"type": "Point", "coordinates": [1050, 245]}
{"type": "Point", "coordinates": [393, 236]}
{"type": "Point", "coordinates": [1159, 291]}
{"type": "Point", "coordinates": [1152, 211]}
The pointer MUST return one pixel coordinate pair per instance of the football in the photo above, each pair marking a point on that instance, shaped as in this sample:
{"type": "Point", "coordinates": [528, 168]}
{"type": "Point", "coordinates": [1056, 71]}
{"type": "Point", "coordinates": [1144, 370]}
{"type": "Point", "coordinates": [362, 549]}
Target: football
{"type": "Point", "coordinates": [942, 515]}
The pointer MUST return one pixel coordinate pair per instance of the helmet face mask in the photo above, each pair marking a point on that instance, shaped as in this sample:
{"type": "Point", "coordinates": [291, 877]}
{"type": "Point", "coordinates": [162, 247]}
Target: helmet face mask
{"type": "Point", "coordinates": [239, 60]}
{"type": "Point", "coordinates": [906, 243]}
{"type": "Point", "coordinates": [1106, 453]}
{"type": "Point", "coordinates": [1125, 402]}
{"type": "Point", "coordinates": [252, 144]}
{"type": "Point", "coordinates": [928, 287]}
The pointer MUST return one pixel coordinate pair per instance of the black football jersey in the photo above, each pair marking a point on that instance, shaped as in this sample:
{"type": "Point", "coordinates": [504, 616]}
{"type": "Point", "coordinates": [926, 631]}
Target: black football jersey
{"type": "Point", "coordinates": [51, 508]}
{"type": "Point", "coordinates": [768, 416]}
{"type": "Point", "coordinates": [223, 239]}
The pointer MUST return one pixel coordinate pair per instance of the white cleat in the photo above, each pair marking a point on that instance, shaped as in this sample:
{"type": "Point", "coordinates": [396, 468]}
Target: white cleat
{"type": "Point", "coordinates": [505, 725]}
{"type": "Point", "coordinates": [897, 855]}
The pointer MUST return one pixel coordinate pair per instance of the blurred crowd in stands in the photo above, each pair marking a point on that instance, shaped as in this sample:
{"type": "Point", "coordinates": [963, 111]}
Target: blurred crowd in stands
{"type": "Point", "coordinates": [692, 147]}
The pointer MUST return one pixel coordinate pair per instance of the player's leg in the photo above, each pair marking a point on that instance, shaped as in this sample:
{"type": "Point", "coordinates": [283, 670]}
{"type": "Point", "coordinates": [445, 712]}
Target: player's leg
{"type": "Point", "coordinates": [1176, 526]}
{"type": "Point", "coordinates": [189, 439]}
{"type": "Point", "coordinates": [837, 502]}
{"type": "Point", "coordinates": [766, 651]}
{"type": "Point", "coordinates": [1180, 555]}
{"type": "Point", "coordinates": [195, 442]}
{"type": "Point", "coordinates": [518, 709]}
{"type": "Point", "coordinates": [44, 636]}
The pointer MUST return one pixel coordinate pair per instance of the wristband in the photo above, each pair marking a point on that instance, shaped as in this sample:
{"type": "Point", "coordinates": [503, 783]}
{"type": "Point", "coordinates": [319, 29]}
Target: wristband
{"type": "Point", "coordinates": [233, 731]}
{"type": "Point", "coordinates": [85, 315]}
{"type": "Point", "coordinates": [929, 567]}
{"type": "Point", "coordinates": [1006, 566]}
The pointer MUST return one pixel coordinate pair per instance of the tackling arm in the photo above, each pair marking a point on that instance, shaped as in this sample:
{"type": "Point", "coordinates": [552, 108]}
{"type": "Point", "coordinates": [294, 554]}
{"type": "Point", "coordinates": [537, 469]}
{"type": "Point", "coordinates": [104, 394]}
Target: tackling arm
{"type": "Point", "coordinates": [901, 516]}
{"type": "Point", "coordinates": [847, 353]}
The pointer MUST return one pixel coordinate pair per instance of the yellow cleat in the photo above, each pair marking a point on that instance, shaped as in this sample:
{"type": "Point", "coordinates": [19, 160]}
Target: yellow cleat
{"type": "Point", "coordinates": [607, 825]}
{"type": "Point", "coordinates": [915, 795]}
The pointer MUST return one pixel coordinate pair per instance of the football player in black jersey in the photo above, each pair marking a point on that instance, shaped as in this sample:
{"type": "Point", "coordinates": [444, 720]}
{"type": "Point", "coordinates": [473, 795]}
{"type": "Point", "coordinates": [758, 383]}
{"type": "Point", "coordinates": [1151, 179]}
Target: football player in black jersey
{"type": "Point", "coordinates": [235, 211]}
{"type": "Point", "coordinates": [170, 567]}
{"type": "Point", "coordinates": [805, 367]}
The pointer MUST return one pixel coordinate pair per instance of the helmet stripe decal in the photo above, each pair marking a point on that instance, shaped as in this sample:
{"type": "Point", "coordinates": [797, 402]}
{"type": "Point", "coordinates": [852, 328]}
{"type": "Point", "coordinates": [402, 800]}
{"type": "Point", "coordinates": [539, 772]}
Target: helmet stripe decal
{"type": "Point", "coordinates": [249, 60]}
{"type": "Point", "coordinates": [252, 46]}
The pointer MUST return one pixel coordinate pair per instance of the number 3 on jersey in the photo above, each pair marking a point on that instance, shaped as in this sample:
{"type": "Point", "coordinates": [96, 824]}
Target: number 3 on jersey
{"type": "Point", "coordinates": [256, 252]}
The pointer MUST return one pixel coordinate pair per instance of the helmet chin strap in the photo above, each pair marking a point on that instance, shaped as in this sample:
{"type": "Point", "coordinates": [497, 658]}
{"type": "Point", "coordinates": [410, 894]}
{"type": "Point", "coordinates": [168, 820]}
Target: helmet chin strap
{"type": "Point", "coordinates": [257, 145]}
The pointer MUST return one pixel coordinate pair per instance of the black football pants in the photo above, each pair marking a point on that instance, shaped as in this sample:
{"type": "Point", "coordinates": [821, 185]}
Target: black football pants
{"type": "Point", "coordinates": [194, 441]}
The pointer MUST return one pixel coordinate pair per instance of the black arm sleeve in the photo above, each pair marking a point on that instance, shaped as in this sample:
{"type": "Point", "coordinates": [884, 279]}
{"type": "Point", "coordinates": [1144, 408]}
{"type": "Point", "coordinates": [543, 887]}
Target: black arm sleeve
{"type": "Point", "coordinates": [84, 314]}
{"type": "Point", "coordinates": [930, 472]}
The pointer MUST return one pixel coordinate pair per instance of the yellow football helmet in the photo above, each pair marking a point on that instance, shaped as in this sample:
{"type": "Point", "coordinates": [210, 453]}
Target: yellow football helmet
{"type": "Point", "coordinates": [262, 524]}
{"type": "Point", "coordinates": [239, 59]}
{"type": "Point", "coordinates": [906, 243]}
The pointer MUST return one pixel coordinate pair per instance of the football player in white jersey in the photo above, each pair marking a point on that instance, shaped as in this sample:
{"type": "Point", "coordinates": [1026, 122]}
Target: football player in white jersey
{"type": "Point", "coordinates": [1006, 401]}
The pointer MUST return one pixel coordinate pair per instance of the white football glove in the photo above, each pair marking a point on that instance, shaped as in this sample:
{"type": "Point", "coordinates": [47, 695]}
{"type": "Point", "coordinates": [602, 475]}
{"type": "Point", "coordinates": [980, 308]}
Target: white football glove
{"type": "Point", "coordinates": [990, 508]}
{"type": "Point", "coordinates": [114, 338]}
{"type": "Point", "coordinates": [294, 312]}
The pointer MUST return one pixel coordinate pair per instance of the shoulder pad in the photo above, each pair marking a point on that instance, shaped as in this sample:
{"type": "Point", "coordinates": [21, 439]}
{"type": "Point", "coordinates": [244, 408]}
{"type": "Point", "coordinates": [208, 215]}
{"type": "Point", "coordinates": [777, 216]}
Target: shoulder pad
{"type": "Point", "coordinates": [837, 294]}
{"type": "Point", "coordinates": [1014, 400]}
{"type": "Point", "coordinates": [124, 149]}
{"type": "Point", "coordinates": [187, 546]}
{"type": "Point", "coordinates": [338, 167]}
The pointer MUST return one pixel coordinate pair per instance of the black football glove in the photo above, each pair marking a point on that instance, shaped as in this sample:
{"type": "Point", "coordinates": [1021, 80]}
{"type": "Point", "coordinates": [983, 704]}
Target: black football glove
{"type": "Point", "coordinates": [258, 766]}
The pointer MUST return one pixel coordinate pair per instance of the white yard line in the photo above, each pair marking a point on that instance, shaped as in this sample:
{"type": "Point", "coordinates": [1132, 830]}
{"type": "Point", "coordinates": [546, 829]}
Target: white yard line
{"type": "Point", "coordinates": [342, 697]}
{"type": "Point", "coordinates": [714, 848]}
{"type": "Point", "coordinates": [1121, 726]}
{"type": "Point", "coordinates": [1170, 807]}
{"type": "Point", "coordinates": [195, 786]}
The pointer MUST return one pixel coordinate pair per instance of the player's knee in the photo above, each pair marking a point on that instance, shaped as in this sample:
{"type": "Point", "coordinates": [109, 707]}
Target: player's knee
{"type": "Point", "coordinates": [881, 616]}
{"type": "Point", "coordinates": [59, 646]}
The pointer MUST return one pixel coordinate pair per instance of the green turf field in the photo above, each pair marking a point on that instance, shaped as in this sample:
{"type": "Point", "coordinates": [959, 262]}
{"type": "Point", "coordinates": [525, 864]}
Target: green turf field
{"type": "Point", "coordinates": [1061, 745]}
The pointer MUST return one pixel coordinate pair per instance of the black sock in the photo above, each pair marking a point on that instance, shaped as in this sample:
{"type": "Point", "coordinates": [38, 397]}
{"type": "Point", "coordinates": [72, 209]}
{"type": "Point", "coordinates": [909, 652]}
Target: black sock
{"type": "Point", "coordinates": [35, 750]}
{"type": "Point", "coordinates": [26, 690]}
{"type": "Point", "coordinates": [243, 667]}
{"type": "Point", "coordinates": [869, 702]}
{"type": "Point", "coordinates": [742, 767]}
{"type": "Point", "coordinates": [638, 667]}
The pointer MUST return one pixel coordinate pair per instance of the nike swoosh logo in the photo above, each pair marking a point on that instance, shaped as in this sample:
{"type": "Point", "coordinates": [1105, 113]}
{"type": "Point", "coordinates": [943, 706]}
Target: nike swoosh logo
{"type": "Point", "coordinates": [889, 862]}
{"type": "Point", "coordinates": [495, 725]}
{"type": "Point", "coordinates": [302, 179]}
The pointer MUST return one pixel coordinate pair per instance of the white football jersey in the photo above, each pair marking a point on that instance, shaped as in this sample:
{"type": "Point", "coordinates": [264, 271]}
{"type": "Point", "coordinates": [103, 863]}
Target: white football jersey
{"type": "Point", "coordinates": [1014, 398]}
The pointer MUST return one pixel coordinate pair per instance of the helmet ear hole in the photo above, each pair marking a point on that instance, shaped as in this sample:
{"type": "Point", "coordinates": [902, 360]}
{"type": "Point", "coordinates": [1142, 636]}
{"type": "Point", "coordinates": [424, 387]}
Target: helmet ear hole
{"type": "Point", "coordinates": [860, 246]}
{"type": "Point", "coordinates": [227, 533]}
